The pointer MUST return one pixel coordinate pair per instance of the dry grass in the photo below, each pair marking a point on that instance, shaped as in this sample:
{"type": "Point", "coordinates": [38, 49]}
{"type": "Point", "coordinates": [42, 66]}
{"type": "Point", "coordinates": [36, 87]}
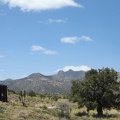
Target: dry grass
{"type": "Point", "coordinates": [45, 109]}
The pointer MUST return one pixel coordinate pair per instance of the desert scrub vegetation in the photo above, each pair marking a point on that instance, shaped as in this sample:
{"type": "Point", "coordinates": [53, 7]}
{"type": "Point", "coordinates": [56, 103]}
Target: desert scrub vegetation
{"type": "Point", "coordinates": [64, 110]}
{"type": "Point", "coordinates": [2, 109]}
{"type": "Point", "coordinates": [48, 109]}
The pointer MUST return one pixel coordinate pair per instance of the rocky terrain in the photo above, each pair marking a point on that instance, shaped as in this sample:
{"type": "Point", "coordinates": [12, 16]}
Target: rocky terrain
{"type": "Point", "coordinates": [37, 82]}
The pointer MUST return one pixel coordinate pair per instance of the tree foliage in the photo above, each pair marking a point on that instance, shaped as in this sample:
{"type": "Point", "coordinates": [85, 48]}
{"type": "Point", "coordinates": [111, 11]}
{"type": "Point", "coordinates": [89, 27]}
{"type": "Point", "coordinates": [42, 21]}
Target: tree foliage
{"type": "Point", "coordinates": [100, 90]}
{"type": "Point", "coordinates": [32, 94]}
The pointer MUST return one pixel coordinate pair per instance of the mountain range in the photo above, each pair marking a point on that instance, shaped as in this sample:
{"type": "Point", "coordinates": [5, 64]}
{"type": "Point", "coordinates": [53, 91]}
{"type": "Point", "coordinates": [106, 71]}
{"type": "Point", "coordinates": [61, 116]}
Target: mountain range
{"type": "Point", "coordinates": [37, 82]}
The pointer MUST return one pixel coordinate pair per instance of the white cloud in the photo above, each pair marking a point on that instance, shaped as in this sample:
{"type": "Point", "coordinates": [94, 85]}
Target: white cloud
{"type": "Point", "coordinates": [49, 52]}
{"type": "Point", "coordinates": [75, 68]}
{"type": "Point", "coordinates": [56, 20]}
{"type": "Point", "coordinates": [36, 48]}
{"type": "Point", "coordinates": [69, 39]}
{"type": "Point", "coordinates": [38, 5]}
{"type": "Point", "coordinates": [51, 20]}
{"type": "Point", "coordinates": [23, 76]}
{"type": "Point", "coordinates": [85, 38]}
{"type": "Point", "coordinates": [75, 39]}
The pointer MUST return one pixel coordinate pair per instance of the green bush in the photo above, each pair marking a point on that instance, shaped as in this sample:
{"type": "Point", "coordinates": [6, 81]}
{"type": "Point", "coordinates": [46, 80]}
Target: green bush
{"type": "Point", "coordinates": [2, 109]}
{"type": "Point", "coordinates": [64, 110]}
{"type": "Point", "coordinates": [11, 91]}
{"type": "Point", "coordinates": [64, 114]}
{"type": "Point", "coordinates": [32, 94]}
{"type": "Point", "coordinates": [44, 107]}
{"type": "Point", "coordinates": [55, 98]}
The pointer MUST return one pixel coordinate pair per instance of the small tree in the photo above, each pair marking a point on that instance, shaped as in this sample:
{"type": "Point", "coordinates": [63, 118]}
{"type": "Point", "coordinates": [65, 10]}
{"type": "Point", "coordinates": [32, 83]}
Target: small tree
{"type": "Point", "coordinates": [100, 89]}
{"type": "Point", "coordinates": [32, 94]}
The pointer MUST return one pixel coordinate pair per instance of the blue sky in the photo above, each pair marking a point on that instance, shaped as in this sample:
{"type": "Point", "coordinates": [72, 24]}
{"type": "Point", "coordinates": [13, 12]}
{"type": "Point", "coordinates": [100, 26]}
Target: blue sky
{"type": "Point", "coordinates": [50, 35]}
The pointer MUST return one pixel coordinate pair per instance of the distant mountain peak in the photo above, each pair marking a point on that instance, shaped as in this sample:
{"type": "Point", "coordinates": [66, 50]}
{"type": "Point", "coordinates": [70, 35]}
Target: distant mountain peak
{"type": "Point", "coordinates": [35, 75]}
{"type": "Point", "coordinates": [70, 70]}
{"type": "Point", "coordinates": [60, 72]}
{"type": "Point", "coordinates": [38, 82]}
{"type": "Point", "coordinates": [8, 79]}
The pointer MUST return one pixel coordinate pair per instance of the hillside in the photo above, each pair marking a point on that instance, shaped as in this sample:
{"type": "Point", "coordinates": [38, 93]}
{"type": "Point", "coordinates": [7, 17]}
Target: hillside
{"type": "Point", "coordinates": [38, 82]}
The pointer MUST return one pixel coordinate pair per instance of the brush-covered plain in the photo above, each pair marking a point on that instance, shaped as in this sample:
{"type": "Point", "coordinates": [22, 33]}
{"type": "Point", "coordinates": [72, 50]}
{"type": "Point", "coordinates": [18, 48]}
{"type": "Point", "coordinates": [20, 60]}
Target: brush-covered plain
{"type": "Point", "coordinates": [48, 108]}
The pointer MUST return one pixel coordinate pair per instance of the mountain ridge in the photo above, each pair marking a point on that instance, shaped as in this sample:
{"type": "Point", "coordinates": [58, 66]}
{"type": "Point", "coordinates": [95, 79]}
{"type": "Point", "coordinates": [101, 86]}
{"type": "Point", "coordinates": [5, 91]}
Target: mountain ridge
{"type": "Point", "coordinates": [37, 82]}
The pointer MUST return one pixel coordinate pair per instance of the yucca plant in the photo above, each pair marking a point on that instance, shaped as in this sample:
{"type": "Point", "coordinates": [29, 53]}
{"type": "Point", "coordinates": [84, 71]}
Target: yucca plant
{"type": "Point", "coordinates": [22, 96]}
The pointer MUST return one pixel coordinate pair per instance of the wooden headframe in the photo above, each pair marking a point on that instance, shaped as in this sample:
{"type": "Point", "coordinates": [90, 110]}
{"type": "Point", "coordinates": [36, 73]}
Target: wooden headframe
{"type": "Point", "coordinates": [3, 93]}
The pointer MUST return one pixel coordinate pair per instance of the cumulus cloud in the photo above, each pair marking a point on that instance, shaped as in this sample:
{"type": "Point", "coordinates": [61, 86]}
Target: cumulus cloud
{"type": "Point", "coordinates": [75, 39]}
{"type": "Point", "coordinates": [36, 48]}
{"type": "Point", "coordinates": [38, 5]}
{"type": "Point", "coordinates": [69, 39]}
{"type": "Point", "coordinates": [85, 38]}
{"type": "Point", "coordinates": [49, 52]}
{"type": "Point", "coordinates": [75, 68]}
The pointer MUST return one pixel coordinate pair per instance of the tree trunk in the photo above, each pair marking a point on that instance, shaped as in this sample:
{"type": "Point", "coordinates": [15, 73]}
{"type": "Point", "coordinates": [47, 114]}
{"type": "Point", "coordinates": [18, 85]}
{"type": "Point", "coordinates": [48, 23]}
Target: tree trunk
{"type": "Point", "coordinates": [99, 110]}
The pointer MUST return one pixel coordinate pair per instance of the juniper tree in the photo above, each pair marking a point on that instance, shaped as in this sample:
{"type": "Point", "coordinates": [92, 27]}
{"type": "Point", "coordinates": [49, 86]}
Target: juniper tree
{"type": "Point", "coordinates": [99, 90]}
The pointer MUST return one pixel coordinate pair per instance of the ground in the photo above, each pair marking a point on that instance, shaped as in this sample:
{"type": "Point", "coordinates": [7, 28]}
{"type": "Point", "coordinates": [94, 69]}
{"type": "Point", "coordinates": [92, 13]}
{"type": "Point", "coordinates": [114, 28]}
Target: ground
{"type": "Point", "coordinates": [47, 109]}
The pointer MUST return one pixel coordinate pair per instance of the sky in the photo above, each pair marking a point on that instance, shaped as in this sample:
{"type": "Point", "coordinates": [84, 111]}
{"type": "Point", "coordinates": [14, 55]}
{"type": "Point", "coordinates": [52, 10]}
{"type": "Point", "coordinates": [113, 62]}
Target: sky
{"type": "Point", "coordinates": [45, 36]}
